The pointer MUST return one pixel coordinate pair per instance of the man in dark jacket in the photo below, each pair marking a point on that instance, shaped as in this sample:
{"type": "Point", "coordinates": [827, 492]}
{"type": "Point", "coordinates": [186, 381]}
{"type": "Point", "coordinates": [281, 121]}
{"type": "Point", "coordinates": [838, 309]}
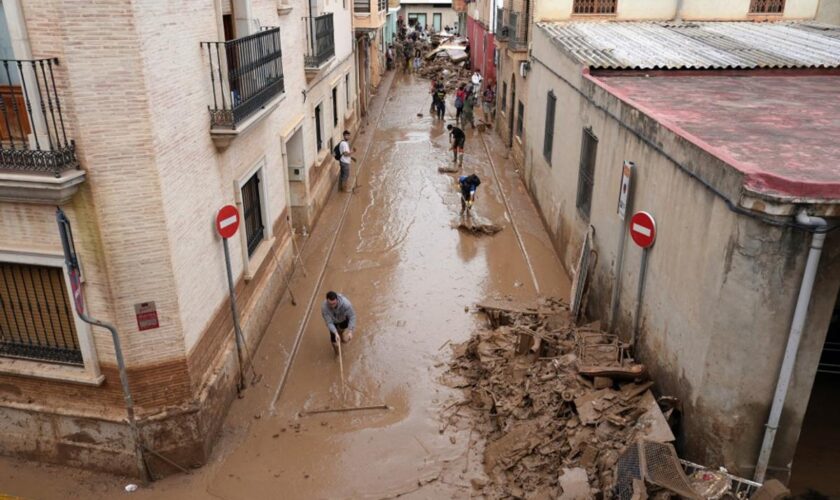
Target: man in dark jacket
{"type": "Point", "coordinates": [468, 184]}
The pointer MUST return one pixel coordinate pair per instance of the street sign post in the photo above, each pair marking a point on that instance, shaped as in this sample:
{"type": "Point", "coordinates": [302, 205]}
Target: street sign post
{"type": "Point", "coordinates": [227, 223]}
{"type": "Point", "coordinates": [643, 232]}
{"type": "Point", "coordinates": [624, 202]}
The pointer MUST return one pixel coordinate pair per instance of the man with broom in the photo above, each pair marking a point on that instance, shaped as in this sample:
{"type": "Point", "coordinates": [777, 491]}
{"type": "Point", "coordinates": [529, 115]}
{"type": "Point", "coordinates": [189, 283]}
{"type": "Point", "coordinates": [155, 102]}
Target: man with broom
{"type": "Point", "coordinates": [340, 317]}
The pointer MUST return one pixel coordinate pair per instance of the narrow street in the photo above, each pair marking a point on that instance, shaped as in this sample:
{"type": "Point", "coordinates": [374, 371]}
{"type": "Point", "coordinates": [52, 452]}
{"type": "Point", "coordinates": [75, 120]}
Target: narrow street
{"type": "Point", "coordinates": [393, 249]}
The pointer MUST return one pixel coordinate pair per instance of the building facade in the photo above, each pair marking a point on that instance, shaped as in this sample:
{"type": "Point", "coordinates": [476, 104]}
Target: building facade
{"type": "Point", "coordinates": [434, 14]}
{"type": "Point", "coordinates": [481, 28]}
{"type": "Point", "coordinates": [733, 196]}
{"type": "Point", "coordinates": [369, 17]}
{"type": "Point", "coordinates": [140, 140]}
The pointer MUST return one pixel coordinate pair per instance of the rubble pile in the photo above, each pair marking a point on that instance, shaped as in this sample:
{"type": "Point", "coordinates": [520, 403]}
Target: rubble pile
{"type": "Point", "coordinates": [448, 64]}
{"type": "Point", "coordinates": [557, 404]}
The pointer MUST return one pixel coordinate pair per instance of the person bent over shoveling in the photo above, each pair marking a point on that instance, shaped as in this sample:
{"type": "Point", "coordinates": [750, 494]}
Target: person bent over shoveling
{"type": "Point", "coordinates": [340, 317]}
{"type": "Point", "coordinates": [468, 185]}
{"type": "Point", "coordinates": [457, 138]}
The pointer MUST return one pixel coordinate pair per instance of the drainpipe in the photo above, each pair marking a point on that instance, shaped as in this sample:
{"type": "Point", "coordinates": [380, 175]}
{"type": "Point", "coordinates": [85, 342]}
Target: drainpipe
{"type": "Point", "coordinates": [678, 11]}
{"type": "Point", "coordinates": [819, 226]}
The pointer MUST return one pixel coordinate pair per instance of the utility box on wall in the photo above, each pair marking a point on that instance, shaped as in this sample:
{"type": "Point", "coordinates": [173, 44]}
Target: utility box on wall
{"type": "Point", "coordinates": [296, 174]}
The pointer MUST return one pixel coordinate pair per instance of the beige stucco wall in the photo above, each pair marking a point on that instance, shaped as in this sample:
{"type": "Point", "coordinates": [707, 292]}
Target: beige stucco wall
{"type": "Point", "coordinates": [720, 287]}
{"type": "Point", "coordinates": [829, 12]}
{"type": "Point", "coordinates": [448, 15]}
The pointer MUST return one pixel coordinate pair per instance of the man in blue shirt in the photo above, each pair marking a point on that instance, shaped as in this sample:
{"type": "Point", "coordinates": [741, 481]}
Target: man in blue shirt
{"type": "Point", "coordinates": [468, 185]}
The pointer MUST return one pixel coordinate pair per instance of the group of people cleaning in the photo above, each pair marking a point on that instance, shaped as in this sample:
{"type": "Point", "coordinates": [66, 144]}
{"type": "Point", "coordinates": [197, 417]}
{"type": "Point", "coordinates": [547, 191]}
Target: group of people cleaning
{"type": "Point", "coordinates": [465, 100]}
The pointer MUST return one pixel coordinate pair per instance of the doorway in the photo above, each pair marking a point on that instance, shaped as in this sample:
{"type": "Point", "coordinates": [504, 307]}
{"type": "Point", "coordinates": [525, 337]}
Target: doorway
{"type": "Point", "coordinates": [817, 458]}
{"type": "Point", "coordinates": [437, 21]}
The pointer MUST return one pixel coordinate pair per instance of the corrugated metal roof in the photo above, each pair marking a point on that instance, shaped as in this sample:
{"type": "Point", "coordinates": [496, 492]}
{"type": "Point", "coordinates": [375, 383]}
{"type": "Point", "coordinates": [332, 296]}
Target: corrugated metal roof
{"type": "Point", "coordinates": [698, 45]}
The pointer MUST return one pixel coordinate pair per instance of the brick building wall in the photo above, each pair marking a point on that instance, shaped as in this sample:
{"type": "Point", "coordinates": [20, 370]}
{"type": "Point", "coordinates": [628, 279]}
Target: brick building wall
{"type": "Point", "coordinates": [135, 85]}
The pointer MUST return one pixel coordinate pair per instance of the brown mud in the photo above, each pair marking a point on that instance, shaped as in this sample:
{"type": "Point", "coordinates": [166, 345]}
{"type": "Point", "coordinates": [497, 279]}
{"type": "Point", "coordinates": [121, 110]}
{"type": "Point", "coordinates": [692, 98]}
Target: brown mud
{"type": "Point", "coordinates": [410, 275]}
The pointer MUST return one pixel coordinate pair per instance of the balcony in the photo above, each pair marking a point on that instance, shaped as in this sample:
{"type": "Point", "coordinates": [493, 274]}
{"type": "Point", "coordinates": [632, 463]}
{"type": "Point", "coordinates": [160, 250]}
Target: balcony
{"type": "Point", "coordinates": [515, 29]}
{"type": "Point", "coordinates": [501, 30]}
{"type": "Point", "coordinates": [320, 42]}
{"type": "Point", "coordinates": [246, 75]}
{"type": "Point", "coordinates": [37, 159]}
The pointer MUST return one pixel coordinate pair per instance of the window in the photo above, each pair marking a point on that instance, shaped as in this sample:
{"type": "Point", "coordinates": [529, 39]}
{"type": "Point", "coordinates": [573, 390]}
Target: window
{"type": "Point", "coordinates": [319, 136]}
{"type": "Point", "coordinates": [252, 213]}
{"type": "Point", "coordinates": [361, 5]}
{"type": "Point", "coordinates": [347, 90]}
{"type": "Point", "coordinates": [335, 105]}
{"type": "Point", "coordinates": [767, 6]}
{"type": "Point", "coordinates": [503, 103]}
{"type": "Point", "coordinates": [548, 140]}
{"type": "Point", "coordinates": [594, 6]}
{"type": "Point", "coordinates": [520, 111]}
{"type": "Point", "coordinates": [586, 174]}
{"type": "Point", "coordinates": [36, 319]}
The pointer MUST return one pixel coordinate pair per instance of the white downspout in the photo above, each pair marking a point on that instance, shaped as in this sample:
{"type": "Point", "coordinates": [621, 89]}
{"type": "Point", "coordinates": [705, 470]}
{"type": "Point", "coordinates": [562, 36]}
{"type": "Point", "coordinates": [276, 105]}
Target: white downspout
{"type": "Point", "coordinates": [799, 316]}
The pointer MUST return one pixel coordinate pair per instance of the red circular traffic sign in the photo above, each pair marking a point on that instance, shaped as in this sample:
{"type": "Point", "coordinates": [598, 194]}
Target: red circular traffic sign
{"type": "Point", "coordinates": [643, 229]}
{"type": "Point", "coordinates": [227, 221]}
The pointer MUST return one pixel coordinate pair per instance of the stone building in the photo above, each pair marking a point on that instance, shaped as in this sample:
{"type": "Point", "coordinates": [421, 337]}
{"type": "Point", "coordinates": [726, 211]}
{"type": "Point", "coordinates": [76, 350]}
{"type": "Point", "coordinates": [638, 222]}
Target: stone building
{"type": "Point", "coordinates": [729, 130]}
{"type": "Point", "coordinates": [436, 14]}
{"type": "Point", "coordinates": [141, 120]}
{"type": "Point", "coordinates": [482, 25]}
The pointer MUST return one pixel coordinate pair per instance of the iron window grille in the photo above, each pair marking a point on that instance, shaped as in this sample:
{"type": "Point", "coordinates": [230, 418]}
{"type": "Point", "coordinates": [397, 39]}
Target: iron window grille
{"type": "Point", "coordinates": [33, 136]}
{"type": "Point", "coordinates": [36, 320]}
{"type": "Point", "coordinates": [520, 112]}
{"type": "Point", "coordinates": [586, 172]}
{"type": "Point", "coordinates": [548, 140]}
{"type": "Point", "coordinates": [320, 40]}
{"type": "Point", "coordinates": [362, 6]}
{"type": "Point", "coordinates": [767, 6]}
{"type": "Point", "coordinates": [594, 6]}
{"type": "Point", "coordinates": [252, 213]}
{"type": "Point", "coordinates": [383, 5]}
{"type": "Point", "coordinates": [335, 105]}
{"type": "Point", "coordinates": [245, 73]}
{"type": "Point", "coordinates": [319, 136]}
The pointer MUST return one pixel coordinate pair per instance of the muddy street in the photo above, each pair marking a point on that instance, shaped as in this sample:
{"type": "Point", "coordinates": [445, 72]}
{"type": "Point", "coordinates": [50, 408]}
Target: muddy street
{"type": "Point", "coordinates": [393, 248]}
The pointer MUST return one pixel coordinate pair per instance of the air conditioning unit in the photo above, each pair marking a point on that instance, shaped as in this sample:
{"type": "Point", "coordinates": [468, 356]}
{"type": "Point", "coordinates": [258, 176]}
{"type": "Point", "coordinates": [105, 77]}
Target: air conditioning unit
{"type": "Point", "coordinates": [524, 68]}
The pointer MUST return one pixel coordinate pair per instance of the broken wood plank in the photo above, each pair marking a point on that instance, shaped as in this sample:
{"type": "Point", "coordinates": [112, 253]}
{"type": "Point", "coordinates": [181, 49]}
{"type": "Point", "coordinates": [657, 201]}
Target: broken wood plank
{"type": "Point", "coordinates": [341, 410]}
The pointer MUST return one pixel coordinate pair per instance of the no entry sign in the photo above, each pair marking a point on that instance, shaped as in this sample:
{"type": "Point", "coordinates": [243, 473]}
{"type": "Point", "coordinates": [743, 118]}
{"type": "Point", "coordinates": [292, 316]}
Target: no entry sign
{"type": "Point", "coordinates": [227, 221]}
{"type": "Point", "coordinates": [643, 229]}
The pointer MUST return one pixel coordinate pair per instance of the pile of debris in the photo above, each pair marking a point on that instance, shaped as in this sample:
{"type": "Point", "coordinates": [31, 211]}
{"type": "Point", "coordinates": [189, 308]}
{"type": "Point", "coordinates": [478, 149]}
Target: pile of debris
{"type": "Point", "coordinates": [448, 64]}
{"type": "Point", "coordinates": [480, 226]}
{"type": "Point", "coordinates": [558, 404]}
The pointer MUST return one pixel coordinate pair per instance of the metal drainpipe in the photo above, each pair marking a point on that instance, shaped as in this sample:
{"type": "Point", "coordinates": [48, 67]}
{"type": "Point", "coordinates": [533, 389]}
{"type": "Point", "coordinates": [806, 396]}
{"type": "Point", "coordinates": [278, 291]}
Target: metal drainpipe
{"type": "Point", "coordinates": [799, 316]}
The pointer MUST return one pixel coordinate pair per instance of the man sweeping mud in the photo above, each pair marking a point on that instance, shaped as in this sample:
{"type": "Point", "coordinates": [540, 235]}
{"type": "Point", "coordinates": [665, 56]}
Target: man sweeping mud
{"type": "Point", "coordinates": [457, 138]}
{"type": "Point", "coordinates": [468, 185]}
{"type": "Point", "coordinates": [340, 317]}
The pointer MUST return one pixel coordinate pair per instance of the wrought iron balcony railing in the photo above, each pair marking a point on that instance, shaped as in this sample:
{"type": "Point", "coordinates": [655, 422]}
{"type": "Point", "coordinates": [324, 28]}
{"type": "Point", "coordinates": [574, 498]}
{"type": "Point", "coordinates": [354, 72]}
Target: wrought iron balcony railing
{"type": "Point", "coordinates": [245, 73]}
{"type": "Point", "coordinates": [320, 40]}
{"type": "Point", "coordinates": [33, 137]}
{"type": "Point", "coordinates": [501, 29]}
{"type": "Point", "coordinates": [516, 29]}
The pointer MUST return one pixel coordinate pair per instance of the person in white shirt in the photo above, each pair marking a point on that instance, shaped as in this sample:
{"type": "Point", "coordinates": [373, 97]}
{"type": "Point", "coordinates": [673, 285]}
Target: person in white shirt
{"type": "Point", "coordinates": [476, 82]}
{"type": "Point", "coordinates": [344, 163]}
